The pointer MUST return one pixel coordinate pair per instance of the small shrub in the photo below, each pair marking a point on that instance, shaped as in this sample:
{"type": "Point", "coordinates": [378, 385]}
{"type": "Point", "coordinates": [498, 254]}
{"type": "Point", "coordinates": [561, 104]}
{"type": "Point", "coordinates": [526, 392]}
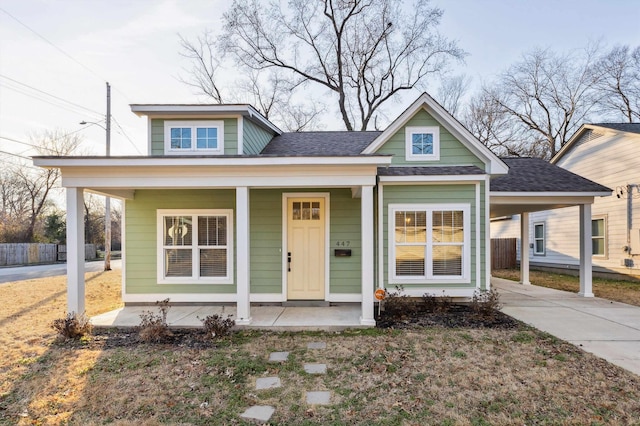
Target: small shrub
{"type": "Point", "coordinates": [485, 304]}
{"type": "Point", "coordinates": [437, 304]}
{"type": "Point", "coordinates": [153, 327]}
{"type": "Point", "coordinates": [72, 326]}
{"type": "Point", "coordinates": [398, 305]}
{"type": "Point", "coordinates": [216, 327]}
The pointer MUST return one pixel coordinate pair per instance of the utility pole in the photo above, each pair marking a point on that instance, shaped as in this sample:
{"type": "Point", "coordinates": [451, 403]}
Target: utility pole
{"type": "Point", "coordinates": [107, 202]}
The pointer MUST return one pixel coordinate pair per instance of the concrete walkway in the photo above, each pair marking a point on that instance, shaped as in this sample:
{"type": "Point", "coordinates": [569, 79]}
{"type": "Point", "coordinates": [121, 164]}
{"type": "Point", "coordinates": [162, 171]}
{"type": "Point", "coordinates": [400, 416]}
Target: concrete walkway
{"type": "Point", "coordinates": [607, 329]}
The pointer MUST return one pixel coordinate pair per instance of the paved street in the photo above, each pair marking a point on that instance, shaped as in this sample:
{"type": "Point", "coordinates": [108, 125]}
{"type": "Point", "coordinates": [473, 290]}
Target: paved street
{"type": "Point", "coordinates": [21, 273]}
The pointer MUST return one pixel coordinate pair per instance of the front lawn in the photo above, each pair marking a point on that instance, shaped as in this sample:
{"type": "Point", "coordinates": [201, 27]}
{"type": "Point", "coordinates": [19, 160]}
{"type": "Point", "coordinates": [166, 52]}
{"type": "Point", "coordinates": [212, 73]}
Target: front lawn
{"type": "Point", "coordinates": [618, 290]}
{"type": "Point", "coordinates": [467, 376]}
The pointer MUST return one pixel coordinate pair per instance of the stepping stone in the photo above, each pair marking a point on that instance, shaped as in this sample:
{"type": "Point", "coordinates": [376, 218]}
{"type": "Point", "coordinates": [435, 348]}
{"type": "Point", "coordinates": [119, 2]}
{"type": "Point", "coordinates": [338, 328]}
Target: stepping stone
{"type": "Point", "coordinates": [261, 413]}
{"type": "Point", "coordinates": [268, 383]}
{"type": "Point", "coordinates": [278, 356]}
{"type": "Point", "coordinates": [315, 368]}
{"type": "Point", "coordinates": [317, 345]}
{"type": "Point", "coordinates": [318, 398]}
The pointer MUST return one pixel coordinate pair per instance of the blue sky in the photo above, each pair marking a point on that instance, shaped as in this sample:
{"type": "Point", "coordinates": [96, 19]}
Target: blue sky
{"type": "Point", "coordinates": [134, 45]}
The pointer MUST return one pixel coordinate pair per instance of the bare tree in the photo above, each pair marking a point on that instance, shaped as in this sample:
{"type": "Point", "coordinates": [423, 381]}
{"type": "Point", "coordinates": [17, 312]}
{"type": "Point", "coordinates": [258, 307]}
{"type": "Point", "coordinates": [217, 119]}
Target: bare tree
{"type": "Point", "coordinates": [547, 96]}
{"type": "Point", "coordinates": [33, 187]}
{"type": "Point", "coordinates": [364, 52]}
{"type": "Point", "coordinates": [619, 85]}
{"type": "Point", "coordinates": [451, 92]}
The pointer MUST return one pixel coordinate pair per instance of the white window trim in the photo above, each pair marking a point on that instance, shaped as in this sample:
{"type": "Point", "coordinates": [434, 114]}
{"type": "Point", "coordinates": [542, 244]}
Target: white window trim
{"type": "Point", "coordinates": [544, 239]}
{"type": "Point", "coordinates": [429, 278]}
{"type": "Point", "coordinates": [193, 124]}
{"type": "Point", "coordinates": [408, 150]}
{"type": "Point", "coordinates": [604, 238]}
{"type": "Point", "coordinates": [228, 279]}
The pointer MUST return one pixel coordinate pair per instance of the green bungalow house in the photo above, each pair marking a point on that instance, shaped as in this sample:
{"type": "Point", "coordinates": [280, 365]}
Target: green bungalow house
{"type": "Point", "coordinates": [227, 208]}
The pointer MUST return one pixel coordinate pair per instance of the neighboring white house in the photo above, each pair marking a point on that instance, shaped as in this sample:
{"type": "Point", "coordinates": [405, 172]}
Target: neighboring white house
{"type": "Point", "coordinates": [609, 155]}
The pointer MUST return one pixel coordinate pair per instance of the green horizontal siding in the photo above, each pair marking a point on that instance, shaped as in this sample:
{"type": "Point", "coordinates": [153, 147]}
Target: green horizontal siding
{"type": "Point", "coordinates": [141, 237]}
{"type": "Point", "coordinates": [438, 194]}
{"type": "Point", "coordinates": [255, 137]}
{"type": "Point", "coordinates": [346, 272]}
{"type": "Point", "coordinates": [230, 135]}
{"type": "Point", "coordinates": [452, 151]}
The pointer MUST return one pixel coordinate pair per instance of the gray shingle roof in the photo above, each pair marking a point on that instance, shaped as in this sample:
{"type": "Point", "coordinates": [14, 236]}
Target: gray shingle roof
{"type": "Point", "coordinates": [430, 171]}
{"type": "Point", "coordinates": [624, 127]}
{"type": "Point", "coordinates": [320, 143]}
{"type": "Point", "coordinates": [536, 175]}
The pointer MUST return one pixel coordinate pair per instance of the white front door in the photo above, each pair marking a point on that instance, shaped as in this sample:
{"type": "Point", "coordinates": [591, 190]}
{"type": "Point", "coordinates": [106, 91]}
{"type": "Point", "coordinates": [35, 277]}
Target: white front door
{"type": "Point", "coordinates": [305, 248]}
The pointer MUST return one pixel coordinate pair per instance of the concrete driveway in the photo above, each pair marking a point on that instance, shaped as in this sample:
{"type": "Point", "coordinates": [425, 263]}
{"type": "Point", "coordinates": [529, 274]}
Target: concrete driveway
{"type": "Point", "coordinates": [21, 273]}
{"type": "Point", "coordinates": [609, 330]}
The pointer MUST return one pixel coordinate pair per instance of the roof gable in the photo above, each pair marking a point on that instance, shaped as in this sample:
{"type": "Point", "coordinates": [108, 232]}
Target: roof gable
{"type": "Point", "coordinates": [448, 122]}
{"type": "Point", "coordinates": [602, 128]}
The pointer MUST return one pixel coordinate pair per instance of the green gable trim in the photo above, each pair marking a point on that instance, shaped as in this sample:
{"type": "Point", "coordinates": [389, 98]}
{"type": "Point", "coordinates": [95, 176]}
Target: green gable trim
{"type": "Point", "coordinates": [255, 138]}
{"type": "Point", "coordinates": [452, 151]}
{"type": "Point", "coordinates": [230, 134]}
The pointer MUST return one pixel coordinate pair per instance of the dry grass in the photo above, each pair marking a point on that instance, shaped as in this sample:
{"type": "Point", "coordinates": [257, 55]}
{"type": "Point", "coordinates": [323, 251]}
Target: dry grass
{"type": "Point", "coordinates": [618, 290]}
{"type": "Point", "coordinates": [408, 377]}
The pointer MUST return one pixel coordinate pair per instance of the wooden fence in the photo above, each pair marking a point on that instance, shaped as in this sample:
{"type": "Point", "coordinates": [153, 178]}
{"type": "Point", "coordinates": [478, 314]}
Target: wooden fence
{"type": "Point", "coordinates": [503, 253]}
{"type": "Point", "coordinates": [30, 254]}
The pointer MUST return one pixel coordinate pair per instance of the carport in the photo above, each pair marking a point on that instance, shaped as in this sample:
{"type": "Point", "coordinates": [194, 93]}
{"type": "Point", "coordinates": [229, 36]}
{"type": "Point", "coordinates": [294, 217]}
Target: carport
{"type": "Point", "coordinates": [535, 185]}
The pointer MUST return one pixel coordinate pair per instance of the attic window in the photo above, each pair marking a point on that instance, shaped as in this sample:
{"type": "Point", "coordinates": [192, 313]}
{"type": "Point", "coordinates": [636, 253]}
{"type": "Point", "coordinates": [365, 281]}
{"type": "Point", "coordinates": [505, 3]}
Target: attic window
{"type": "Point", "coordinates": [193, 137]}
{"type": "Point", "coordinates": [422, 143]}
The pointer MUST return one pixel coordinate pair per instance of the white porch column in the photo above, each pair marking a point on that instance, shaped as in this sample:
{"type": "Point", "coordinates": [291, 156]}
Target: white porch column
{"type": "Point", "coordinates": [366, 213]}
{"type": "Point", "coordinates": [524, 248]}
{"type": "Point", "coordinates": [242, 252]}
{"type": "Point", "coordinates": [75, 251]}
{"type": "Point", "coordinates": [586, 272]}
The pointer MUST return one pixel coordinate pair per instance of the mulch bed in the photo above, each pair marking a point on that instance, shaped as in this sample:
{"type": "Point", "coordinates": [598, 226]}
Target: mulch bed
{"type": "Point", "coordinates": [451, 316]}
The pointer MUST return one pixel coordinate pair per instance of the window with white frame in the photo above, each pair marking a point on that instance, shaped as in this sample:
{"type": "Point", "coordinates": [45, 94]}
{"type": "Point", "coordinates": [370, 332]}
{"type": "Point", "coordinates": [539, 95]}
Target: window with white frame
{"type": "Point", "coordinates": [538, 239]}
{"type": "Point", "coordinates": [195, 246]}
{"type": "Point", "coordinates": [429, 243]}
{"type": "Point", "coordinates": [194, 137]}
{"type": "Point", "coordinates": [599, 236]}
{"type": "Point", "coordinates": [422, 143]}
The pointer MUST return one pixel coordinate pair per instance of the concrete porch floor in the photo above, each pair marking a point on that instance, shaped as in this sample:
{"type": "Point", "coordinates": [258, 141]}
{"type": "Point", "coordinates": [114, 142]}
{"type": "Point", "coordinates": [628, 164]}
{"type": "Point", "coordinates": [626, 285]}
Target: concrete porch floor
{"type": "Point", "coordinates": [277, 318]}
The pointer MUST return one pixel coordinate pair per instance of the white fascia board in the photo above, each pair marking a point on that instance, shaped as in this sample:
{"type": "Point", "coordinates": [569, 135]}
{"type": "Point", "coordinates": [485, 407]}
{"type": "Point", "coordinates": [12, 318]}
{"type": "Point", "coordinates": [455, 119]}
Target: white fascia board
{"type": "Point", "coordinates": [390, 180]}
{"type": "Point", "coordinates": [498, 195]}
{"type": "Point", "coordinates": [496, 165]}
{"type": "Point", "coordinates": [168, 161]}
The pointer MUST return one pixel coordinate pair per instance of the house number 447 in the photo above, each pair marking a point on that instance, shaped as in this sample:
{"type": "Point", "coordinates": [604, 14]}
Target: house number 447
{"type": "Point", "coordinates": [343, 243]}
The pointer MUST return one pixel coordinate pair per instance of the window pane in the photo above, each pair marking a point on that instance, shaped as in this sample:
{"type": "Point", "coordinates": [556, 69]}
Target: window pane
{"type": "Point", "coordinates": [306, 211]}
{"type": "Point", "coordinates": [539, 246]}
{"type": "Point", "coordinates": [178, 263]}
{"type": "Point", "coordinates": [315, 210]}
{"type": "Point", "coordinates": [422, 143]}
{"type": "Point", "coordinates": [447, 260]}
{"type": "Point", "coordinates": [207, 137]}
{"type": "Point", "coordinates": [213, 262]}
{"type": "Point", "coordinates": [597, 227]}
{"type": "Point", "coordinates": [598, 246]}
{"type": "Point", "coordinates": [177, 231]}
{"type": "Point", "coordinates": [212, 230]}
{"type": "Point", "coordinates": [448, 226]}
{"type": "Point", "coordinates": [296, 211]}
{"type": "Point", "coordinates": [539, 231]}
{"type": "Point", "coordinates": [401, 232]}
{"type": "Point", "coordinates": [410, 261]}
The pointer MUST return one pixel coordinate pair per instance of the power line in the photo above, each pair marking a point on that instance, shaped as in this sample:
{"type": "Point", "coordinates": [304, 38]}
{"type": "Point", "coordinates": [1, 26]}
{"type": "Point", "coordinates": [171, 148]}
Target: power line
{"type": "Point", "coordinates": [43, 38]}
{"type": "Point", "coordinates": [126, 135]}
{"type": "Point", "coordinates": [42, 147]}
{"type": "Point", "coordinates": [47, 94]}
{"type": "Point", "coordinates": [15, 155]}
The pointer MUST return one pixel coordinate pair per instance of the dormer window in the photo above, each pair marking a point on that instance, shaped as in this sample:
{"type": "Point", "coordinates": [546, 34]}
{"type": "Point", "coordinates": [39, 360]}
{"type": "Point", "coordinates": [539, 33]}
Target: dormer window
{"type": "Point", "coordinates": [194, 137]}
{"type": "Point", "coordinates": [422, 143]}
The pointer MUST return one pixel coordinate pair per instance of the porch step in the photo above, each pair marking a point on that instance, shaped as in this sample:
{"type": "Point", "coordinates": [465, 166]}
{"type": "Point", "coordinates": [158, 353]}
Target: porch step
{"type": "Point", "coordinates": [305, 304]}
